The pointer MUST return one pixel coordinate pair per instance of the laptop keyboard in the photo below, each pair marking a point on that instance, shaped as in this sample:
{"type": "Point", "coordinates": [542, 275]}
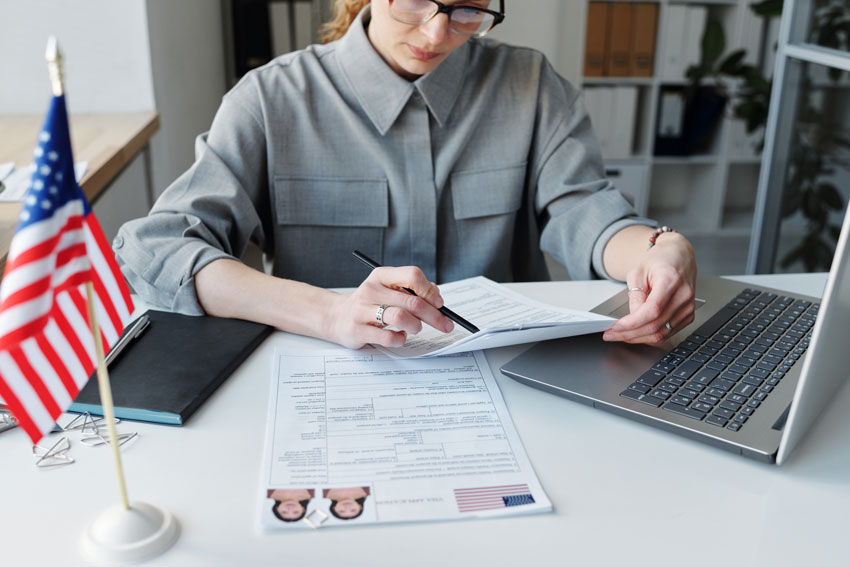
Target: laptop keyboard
{"type": "Point", "coordinates": [723, 371]}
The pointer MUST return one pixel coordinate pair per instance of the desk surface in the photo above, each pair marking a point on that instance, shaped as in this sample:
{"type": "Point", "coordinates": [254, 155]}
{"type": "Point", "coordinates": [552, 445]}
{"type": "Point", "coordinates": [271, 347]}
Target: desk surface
{"type": "Point", "coordinates": [623, 493]}
{"type": "Point", "coordinates": [108, 142]}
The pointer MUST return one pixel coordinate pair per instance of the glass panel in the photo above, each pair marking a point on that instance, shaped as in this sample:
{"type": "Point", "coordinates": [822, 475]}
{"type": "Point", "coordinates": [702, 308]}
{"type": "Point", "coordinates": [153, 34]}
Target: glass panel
{"type": "Point", "coordinates": [816, 168]}
{"type": "Point", "coordinates": [829, 24]}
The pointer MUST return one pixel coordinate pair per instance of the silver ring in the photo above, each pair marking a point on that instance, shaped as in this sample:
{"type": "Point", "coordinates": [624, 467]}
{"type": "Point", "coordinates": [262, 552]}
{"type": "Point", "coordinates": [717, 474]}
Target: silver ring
{"type": "Point", "coordinates": [631, 289]}
{"type": "Point", "coordinates": [379, 316]}
{"type": "Point", "coordinates": [669, 328]}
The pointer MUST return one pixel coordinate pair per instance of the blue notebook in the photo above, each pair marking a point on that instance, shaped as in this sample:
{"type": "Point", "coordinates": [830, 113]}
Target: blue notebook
{"type": "Point", "coordinates": [164, 375]}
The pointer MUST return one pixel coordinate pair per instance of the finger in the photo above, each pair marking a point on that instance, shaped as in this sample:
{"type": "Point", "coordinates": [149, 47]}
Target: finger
{"type": "Point", "coordinates": [370, 334]}
{"type": "Point", "coordinates": [651, 318]}
{"type": "Point", "coordinates": [402, 320]}
{"type": "Point", "coordinates": [658, 330]}
{"type": "Point", "coordinates": [412, 278]}
{"type": "Point", "coordinates": [637, 292]}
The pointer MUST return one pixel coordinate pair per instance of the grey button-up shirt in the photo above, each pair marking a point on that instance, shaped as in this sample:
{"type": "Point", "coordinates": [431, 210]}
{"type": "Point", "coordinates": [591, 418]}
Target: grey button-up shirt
{"type": "Point", "coordinates": [472, 169]}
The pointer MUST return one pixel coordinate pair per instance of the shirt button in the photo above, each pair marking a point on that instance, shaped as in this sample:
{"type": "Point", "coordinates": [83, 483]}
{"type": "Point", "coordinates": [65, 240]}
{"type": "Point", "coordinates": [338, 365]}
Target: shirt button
{"type": "Point", "coordinates": [118, 242]}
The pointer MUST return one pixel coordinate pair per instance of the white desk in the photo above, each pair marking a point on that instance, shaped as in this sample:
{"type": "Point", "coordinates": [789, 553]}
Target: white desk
{"type": "Point", "coordinates": [623, 493]}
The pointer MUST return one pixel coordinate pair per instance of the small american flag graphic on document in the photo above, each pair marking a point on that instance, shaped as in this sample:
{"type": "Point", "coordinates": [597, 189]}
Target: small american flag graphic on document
{"type": "Point", "coordinates": [492, 497]}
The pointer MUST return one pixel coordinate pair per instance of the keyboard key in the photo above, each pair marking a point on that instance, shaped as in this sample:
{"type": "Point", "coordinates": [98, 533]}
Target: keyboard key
{"type": "Point", "coordinates": [660, 394]}
{"type": "Point", "coordinates": [641, 397]}
{"type": "Point", "coordinates": [734, 426]}
{"type": "Point", "coordinates": [705, 376]}
{"type": "Point", "coordinates": [686, 369]}
{"type": "Point", "coordinates": [710, 400]}
{"type": "Point", "coordinates": [716, 420]}
{"type": "Point", "coordinates": [700, 406]}
{"type": "Point", "coordinates": [638, 387]}
{"type": "Point", "coordinates": [730, 405]}
{"type": "Point", "coordinates": [651, 378]}
{"type": "Point", "coordinates": [722, 384]}
{"type": "Point", "coordinates": [743, 389]}
{"type": "Point", "coordinates": [688, 412]}
{"type": "Point", "coordinates": [716, 322]}
{"type": "Point", "coordinates": [681, 400]}
{"type": "Point", "coordinates": [724, 413]}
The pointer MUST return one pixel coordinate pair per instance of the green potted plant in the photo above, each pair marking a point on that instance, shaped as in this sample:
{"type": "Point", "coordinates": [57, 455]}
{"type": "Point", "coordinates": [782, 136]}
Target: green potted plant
{"type": "Point", "coordinates": [821, 146]}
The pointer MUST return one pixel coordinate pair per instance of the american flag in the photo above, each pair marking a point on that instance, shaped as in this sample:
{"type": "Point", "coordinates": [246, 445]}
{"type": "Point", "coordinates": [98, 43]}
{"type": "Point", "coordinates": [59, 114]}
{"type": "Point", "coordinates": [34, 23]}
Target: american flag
{"type": "Point", "coordinates": [46, 349]}
{"type": "Point", "coordinates": [492, 497]}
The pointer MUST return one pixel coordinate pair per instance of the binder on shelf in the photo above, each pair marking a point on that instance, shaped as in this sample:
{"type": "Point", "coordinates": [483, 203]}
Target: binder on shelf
{"type": "Point", "coordinates": [623, 110]}
{"type": "Point", "coordinates": [599, 102]}
{"type": "Point", "coordinates": [670, 129]}
{"type": "Point", "coordinates": [165, 374]}
{"type": "Point", "coordinates": [618, 60]}
{"type": "Point", "coordinates": [697, 16]}
{"type": "Point", "coordinates": [644, 28]}
{"type": "Point", "coordinates": [686, 127]}
{"type": "Point", "coordinates": [672, 60]}
{"type": "Point", "coordinates": [630, 179]}
{"type": "Point", "coordinates": [596, 39]}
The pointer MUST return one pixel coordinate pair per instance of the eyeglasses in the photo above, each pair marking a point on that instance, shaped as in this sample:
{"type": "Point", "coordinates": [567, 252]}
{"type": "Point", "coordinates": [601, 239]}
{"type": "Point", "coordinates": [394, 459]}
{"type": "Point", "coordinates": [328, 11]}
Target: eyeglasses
{"type": "Point", "coordinates": [464, 19]}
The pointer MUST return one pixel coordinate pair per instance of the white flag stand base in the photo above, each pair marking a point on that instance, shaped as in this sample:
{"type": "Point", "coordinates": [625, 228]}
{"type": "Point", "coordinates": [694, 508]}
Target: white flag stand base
{"type": "Point", "coordinates": [129, 536]}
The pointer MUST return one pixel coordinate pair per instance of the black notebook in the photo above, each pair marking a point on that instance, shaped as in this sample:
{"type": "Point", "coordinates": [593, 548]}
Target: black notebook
{"type": "Point", "coordinates": [165, 374]}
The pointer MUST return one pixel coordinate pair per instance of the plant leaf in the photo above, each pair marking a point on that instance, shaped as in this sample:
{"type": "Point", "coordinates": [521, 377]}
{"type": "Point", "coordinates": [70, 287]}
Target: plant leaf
{"type": "Point", "coordinates": [829, 194]}
{"type": "Point", "coordinates": [713, 42]}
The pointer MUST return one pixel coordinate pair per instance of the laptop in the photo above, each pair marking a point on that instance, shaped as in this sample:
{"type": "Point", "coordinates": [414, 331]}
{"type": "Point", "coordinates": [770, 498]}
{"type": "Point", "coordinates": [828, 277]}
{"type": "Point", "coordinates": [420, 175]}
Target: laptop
{"type": "Point", "coordinates": [751, 374]}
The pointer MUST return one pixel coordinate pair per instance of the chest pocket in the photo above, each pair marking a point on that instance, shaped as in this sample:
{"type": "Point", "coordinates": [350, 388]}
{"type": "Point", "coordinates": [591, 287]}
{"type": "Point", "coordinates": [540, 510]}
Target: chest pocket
{"type": "Point", "coordinates": [485, 205]}
{"type": "Point", "coordinates": [477, 194]}
{"type": "Point", "coordinates": [320, 220]}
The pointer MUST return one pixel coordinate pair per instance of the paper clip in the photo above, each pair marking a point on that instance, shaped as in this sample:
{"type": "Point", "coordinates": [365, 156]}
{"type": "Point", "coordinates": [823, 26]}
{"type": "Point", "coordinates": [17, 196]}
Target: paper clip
{"type": "Point", "coordinates": [54, 456]}
{"type": "Point", "coordinates": [86, 424]}
{"type": "Point", "coordinates": [315, 523]}
{"type": "Point", "coordinates": [97, 439]}
{"type": "Point", "coordinates": [7, 421]}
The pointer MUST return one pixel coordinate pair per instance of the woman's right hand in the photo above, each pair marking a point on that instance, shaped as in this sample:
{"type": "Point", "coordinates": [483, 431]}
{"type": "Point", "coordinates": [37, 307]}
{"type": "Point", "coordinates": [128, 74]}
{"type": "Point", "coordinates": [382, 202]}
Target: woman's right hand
{"type": "Point", "coordinates": [352, 318]}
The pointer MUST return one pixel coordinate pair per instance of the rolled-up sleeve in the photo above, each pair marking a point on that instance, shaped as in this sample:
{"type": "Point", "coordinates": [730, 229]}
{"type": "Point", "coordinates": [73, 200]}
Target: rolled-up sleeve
{"type": "Point", "coordinates": [580, 207]}
{"type": "Point", "coordinates": [210, 212]}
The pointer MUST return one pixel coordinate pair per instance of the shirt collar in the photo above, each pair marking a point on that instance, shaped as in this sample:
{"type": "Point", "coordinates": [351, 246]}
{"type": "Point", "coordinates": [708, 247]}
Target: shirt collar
{"type": "Point", "coordinates": [382, 93]}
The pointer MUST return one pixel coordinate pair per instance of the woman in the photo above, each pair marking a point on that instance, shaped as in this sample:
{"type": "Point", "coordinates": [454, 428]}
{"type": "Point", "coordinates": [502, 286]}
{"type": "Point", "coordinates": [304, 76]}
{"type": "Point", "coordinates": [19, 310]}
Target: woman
{"type": "Point", "coordinates": [414, 140]}
{"type": "Point", "coordinates": [290, 505]}
{"type": "Point", "coordinates": [347, 503]}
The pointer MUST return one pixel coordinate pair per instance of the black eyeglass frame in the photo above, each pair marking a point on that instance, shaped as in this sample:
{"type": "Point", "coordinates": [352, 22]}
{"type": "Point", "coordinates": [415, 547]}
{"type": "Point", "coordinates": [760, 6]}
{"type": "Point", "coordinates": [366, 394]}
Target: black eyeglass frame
{"type": "Point", "coordinates": [498, 17]}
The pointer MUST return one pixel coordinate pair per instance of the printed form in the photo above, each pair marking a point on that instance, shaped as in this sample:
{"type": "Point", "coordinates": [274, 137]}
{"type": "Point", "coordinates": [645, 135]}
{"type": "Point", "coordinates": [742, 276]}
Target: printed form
{"type": "Point", "coordinates": [358, 437]}
{"type": "Point", "coordinates": [504, 316]}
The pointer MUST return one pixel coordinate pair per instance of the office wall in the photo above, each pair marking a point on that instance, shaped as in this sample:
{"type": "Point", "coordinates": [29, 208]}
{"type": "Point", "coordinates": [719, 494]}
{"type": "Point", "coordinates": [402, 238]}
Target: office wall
{"type": "Point", "coordinates": [105, 43]}
{"type": "Point", "coordinates": [121, 56]}
{"type": "Point", "coordinates": [188, 63]}
{"type": "Point", "coordinates": [544, 25]}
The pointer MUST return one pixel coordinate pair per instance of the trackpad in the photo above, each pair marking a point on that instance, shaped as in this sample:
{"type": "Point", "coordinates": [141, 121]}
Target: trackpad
{"type": "Point", "coordinates": [585, 365]}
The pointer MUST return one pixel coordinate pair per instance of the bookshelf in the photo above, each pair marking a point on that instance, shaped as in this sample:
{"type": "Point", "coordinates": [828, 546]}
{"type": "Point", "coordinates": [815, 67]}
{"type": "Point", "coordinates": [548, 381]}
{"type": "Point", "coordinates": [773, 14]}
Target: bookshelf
{"type": "Point", "coordinates": [711, 191]}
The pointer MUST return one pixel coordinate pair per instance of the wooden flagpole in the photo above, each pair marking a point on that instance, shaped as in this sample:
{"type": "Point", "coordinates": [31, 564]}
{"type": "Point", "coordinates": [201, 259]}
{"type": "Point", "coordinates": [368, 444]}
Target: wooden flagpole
{"type": "Point", "coordinates": [106, 395]}
{"type": "Point", "coordinates": [54, 66]}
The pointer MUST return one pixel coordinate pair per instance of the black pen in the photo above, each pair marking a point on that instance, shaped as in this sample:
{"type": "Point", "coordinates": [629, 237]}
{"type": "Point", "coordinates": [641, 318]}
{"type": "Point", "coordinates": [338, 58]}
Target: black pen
{"type": "Point", "coordinates": [132, 332]}
{"type": "Point", "coordinates": [444, 310]}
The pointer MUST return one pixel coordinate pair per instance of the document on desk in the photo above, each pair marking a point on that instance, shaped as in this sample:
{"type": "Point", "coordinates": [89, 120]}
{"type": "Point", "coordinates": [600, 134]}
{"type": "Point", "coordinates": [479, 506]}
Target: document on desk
{"type": "Point", "coordinates": [505, 318]}
{"type": "Point", "coordinates": [16, 181]}
{"type": "Point", "coordinates": [356, 437]}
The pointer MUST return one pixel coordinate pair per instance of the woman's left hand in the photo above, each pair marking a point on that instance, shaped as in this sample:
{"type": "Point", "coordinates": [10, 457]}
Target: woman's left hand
{"type": "Point", "coordinates": [661, 296]}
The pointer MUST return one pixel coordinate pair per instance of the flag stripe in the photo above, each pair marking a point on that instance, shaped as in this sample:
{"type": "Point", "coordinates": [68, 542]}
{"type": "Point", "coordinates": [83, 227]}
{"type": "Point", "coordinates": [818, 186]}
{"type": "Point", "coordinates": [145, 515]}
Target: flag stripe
{"type": "Point", "coordinates": [21, 412]}
{"type": "Point", "coordinates": [21, 394]}
{"type": "Point", "coordinates": [38, 385]}
{"type": "Point", "coordinates": [60, 343]}
{"type": "Point", "coordinates": [46, 346]}
{"type": "Point", "coordinates": [104, 263]}
{"type": "Point", "coordinates": [42, 231]}
{"type": "Point", "coordinates": [57, 365]}
{"type": "Point", "coordinates": [70, 335]}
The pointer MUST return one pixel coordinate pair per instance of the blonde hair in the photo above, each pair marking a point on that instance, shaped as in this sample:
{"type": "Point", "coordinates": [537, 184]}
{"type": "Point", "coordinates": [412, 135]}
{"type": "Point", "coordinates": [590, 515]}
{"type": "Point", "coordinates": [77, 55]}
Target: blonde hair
{"type": "Point", "coordinates": [344, 13]}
